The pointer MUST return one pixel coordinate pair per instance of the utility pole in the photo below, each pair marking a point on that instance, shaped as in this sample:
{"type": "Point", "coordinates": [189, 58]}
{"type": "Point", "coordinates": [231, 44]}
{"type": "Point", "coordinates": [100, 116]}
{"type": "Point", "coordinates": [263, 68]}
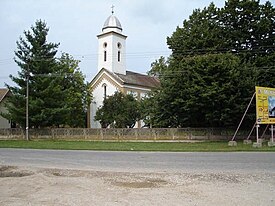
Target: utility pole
{"type": "Point", "coordinates": [27, 104]}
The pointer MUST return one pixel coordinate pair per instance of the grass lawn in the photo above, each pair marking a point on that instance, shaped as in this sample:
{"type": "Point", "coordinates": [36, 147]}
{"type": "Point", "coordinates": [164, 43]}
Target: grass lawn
{"type": "Point", "coordinates": [207, 146]}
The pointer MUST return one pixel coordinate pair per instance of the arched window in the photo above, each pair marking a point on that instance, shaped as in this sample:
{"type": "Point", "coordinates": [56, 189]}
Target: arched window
{"type": "Point", "coordinates": [104, 90]}
{"type": "Point", "coordinates": [118, 56]}
{"type": "Point", "coordinates": [105, 56]}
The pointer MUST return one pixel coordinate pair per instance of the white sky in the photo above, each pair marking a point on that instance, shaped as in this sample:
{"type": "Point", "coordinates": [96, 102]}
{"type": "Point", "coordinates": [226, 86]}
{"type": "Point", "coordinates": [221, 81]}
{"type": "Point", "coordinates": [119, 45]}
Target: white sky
{"type": "Point", "coordinates": [76, 23]}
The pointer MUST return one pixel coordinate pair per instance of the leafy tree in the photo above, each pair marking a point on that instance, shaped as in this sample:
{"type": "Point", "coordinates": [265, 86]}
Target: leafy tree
{"type": "Point", "coordinates": [119, 111]}
{"type": "Point", "coordinates": [158, 67]}
{"type": "Point", "coordinates": [240, 26]}
{"type": "Point", "coordinates": [249, 26]}
{"type": "Point", "coordinates": [218, 56]}
{"type": "Point", "coordinates": [54, 85]}
{"type": "Point", "coordinates": [77, 95]}
{"type": "Point", "coordinates": [200, 34]}
{"type": "Point", "coordinates": [205, 90]}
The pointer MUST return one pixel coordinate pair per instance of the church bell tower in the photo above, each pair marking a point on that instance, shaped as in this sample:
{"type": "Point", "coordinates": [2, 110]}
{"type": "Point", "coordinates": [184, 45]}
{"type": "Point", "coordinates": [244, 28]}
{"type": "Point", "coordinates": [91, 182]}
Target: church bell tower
{"type": "Point", "coordinates": [112, 46]}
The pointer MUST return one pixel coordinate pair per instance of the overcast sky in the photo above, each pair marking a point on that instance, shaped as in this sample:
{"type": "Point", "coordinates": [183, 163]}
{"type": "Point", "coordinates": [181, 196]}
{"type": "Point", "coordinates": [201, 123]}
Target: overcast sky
{"type": "Point", "coordinates": [76, 23]}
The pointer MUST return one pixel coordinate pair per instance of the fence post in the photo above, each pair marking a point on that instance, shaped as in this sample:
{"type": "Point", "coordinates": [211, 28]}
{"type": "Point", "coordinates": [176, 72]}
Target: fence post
{"type": "Point", "coordinates": [101, 134]}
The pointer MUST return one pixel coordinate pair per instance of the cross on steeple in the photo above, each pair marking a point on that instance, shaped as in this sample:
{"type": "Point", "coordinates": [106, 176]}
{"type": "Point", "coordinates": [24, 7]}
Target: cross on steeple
{"type": "Point", "coordinates": [112, 9]}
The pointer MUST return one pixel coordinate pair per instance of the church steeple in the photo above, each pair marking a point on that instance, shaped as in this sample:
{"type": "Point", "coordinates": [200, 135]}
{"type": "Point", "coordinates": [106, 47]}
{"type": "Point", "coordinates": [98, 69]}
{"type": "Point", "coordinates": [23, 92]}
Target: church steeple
{"type": "Point", "coordinates": [112, 46]}
{"type": "Point", "coordinates": [112, 24]}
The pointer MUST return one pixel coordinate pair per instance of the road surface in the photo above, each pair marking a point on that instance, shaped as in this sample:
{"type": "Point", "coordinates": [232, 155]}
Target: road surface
{"type": "Point", "coordinates": [70, 178]}
{"type": "Point", "coordinates": [141, 161]}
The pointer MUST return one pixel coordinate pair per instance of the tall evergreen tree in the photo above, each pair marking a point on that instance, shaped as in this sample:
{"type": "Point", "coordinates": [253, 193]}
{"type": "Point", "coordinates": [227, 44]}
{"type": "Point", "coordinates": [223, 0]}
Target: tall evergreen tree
{"type": "Point", "coordinates": [35, 56]}
{"type": "Point", "coordinates": [54, 85]}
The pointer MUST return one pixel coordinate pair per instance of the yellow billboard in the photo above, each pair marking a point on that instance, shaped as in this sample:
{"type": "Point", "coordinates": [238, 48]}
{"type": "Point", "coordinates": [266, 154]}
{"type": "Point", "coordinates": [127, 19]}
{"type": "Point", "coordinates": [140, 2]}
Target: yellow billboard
{"type": "Point", "coordinates": [265, 105]}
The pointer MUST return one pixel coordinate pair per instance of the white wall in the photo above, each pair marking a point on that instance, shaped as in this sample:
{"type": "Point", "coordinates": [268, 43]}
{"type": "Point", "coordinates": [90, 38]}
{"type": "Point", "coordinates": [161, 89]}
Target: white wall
{"type": "Point", "coordinates": [98, 97]}
{"type": "Point", "coordinates": [112, 64]}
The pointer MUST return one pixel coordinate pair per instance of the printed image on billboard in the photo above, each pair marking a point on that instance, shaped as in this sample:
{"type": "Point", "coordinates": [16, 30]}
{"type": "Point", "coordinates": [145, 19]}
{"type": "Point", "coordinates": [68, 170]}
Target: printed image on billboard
{"type": "Point", "coordinates": [271, 107]}
{"type": "Point", "coordinates": [265, 105]}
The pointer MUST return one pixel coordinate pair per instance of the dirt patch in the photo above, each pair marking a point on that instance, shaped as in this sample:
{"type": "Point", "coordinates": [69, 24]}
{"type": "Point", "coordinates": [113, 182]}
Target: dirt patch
{"type": "Point", "coordinates": [5, 168]}
{"type": "Point", "coordinates": [147, 183]}
{"type": "Point", "coordinates": [50, 187]}
{"type": "Point", "coordinates": [119, 179]}
{"type": "Point", "coordinates": [135, 184]}
{"type": "Point", "coordinates": [10, 171]}
{"type": "Point", "coordinates": [70, 173]}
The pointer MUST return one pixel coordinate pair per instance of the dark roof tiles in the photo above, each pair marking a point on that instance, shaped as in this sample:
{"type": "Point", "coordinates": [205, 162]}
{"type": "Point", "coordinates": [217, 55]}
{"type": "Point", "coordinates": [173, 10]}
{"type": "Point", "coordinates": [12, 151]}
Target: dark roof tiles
{"type": "Point", "coordinates": [133, 78]}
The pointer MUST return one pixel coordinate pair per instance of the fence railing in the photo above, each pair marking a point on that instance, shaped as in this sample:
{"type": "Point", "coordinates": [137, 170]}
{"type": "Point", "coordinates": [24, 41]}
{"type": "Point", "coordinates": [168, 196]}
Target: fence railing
{"type": "Point", "coordinates": [125, 134]}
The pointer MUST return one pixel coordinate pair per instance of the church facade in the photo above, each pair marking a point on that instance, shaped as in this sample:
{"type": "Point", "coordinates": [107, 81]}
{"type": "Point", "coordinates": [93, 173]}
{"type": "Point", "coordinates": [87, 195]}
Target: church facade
{"type": "Point", "coordinates": [112, 74]}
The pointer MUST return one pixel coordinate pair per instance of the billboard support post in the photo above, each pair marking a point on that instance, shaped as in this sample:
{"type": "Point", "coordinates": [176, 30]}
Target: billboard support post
{"type": "Point", "coordinates": [257, 132]}
{"type": "Point", "coordinates": [250, 133]}
{"type": "Point", "coordinates": [272, 138]}
{"type": "Point", "coordinates": [243, 116]}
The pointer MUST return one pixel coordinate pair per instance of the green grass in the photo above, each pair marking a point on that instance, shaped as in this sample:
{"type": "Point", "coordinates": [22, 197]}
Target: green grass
{"type": "Point", "coordinates": [208, 146]}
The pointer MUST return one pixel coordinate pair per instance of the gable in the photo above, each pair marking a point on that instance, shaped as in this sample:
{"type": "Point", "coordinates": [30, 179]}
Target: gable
{"type": "Point", "coordinates": [103, 74]}
{"type": "Point", "coordinates": [130, 80]}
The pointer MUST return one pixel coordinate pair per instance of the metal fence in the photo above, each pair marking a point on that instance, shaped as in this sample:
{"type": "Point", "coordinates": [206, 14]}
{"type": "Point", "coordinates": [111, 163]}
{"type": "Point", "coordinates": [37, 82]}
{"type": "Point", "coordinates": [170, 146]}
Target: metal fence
{"type": "Point", "coordinates": [125, 134]}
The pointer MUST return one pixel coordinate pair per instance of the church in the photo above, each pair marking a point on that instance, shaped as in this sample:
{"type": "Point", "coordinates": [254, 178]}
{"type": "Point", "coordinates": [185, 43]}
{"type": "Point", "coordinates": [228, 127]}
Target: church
{"type": "Point", "coordinates": [112, 73]}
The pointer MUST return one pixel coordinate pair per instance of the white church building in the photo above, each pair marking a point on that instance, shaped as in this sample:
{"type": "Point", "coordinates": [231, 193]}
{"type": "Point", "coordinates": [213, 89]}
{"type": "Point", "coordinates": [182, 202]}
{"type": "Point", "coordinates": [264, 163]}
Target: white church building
{"type": "Point", "coordinates": [112, 73]}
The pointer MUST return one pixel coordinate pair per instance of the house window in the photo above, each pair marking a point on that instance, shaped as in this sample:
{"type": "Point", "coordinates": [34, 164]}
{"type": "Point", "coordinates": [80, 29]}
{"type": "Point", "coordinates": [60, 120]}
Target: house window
{"type": "Point", "coordinates": [105, 56]}
{"type": "Point", "coordinates": [118, 56]}
{"type": "Point", "coordinates": [133, 93]}
{"type": "Point", "coordinates": [143, 95]}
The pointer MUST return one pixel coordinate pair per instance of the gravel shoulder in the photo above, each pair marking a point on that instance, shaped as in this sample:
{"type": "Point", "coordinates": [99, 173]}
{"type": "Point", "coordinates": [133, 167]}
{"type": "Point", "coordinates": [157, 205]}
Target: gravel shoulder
{"type": "Point", "coordinates": [27, 186]}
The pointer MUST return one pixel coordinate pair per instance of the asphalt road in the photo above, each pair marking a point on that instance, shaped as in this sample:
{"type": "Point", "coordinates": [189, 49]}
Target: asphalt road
{"type": "Point", "coordinates": [141, 161]}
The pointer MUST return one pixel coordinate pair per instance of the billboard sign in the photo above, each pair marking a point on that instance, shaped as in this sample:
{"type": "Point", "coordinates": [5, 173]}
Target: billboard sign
{"type": "Point", "coordinates": [265, 105]}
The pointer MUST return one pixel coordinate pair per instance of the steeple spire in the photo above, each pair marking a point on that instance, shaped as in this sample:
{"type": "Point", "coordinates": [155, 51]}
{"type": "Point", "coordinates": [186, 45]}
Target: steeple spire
{"type": "Point", "coordinates": [112, 46]}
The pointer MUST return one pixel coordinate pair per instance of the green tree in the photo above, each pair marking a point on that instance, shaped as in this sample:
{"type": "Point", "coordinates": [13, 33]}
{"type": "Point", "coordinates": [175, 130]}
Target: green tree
{"type": "Point", "coordinates": [240, 26]}
{"type": "Point", "coordinates": [249, 26]}
{"type": "Point", "coordinates": [200, 34]}
{"type": "Point", "coordinates": [218, 56]}
{"type": "Point", "coordinates": [158, 67]}
{"type": "Point", "coordinates": [119, 111]}
{"type": "Point", "coordinates": [205, 90]}
{"type": "Point", "coordinates": [54, 85]}
{"type": "Point", "coordinates": [76, 91]}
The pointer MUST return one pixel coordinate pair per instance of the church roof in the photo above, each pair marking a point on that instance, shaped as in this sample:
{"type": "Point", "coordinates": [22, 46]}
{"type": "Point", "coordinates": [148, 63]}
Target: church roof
{"type": "Point", "coordinates": [112, 22]}
{"type": "Point", "coordinates": [138, 79]}
{"type": "Point", "coordinates": [130, 79]}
